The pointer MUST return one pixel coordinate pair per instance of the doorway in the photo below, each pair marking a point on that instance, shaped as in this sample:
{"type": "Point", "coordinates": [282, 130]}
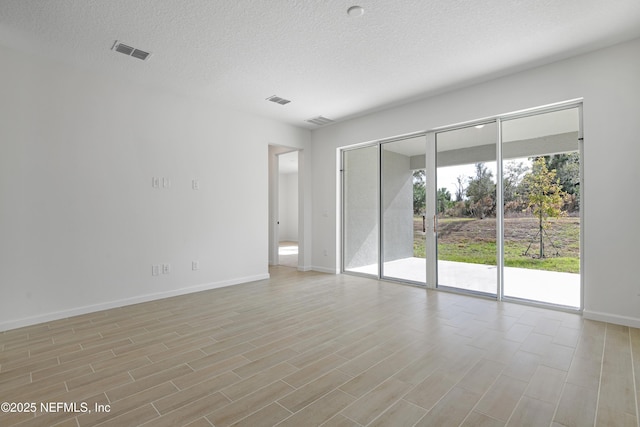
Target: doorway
{"type": "Point", "coordinates": [286, 201]}
{"type": "Point", "coordinates": [287, 230]}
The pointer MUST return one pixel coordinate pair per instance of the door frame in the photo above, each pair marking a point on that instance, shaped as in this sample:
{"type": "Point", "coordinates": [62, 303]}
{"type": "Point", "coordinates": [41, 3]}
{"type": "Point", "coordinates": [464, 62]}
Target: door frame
{"type": "Point", "coordinates": [431, 262]}
{"type": "Point", "coordinates": [274, 152]}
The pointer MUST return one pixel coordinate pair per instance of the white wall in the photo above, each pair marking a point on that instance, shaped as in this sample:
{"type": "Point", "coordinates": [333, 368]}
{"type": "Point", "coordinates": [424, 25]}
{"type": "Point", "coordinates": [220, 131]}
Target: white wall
{"type": "Point", "coordinates": [397, 206]}
{"type": "Point", "coordinates": [609, 82]}
{"type": "Point", "coordinates": [288, 198]}
{"type": "Point", "coordinates": [81, 225]}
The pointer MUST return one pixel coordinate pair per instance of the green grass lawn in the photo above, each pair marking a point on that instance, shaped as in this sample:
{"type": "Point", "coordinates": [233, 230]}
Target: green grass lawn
{"type": "Point", "coordinates": [473, 241]}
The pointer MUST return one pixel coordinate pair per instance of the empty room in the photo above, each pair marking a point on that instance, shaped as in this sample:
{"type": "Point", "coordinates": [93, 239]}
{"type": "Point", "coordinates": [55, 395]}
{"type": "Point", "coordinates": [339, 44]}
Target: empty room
{"type": "Point", "coordinates": [319, 213]}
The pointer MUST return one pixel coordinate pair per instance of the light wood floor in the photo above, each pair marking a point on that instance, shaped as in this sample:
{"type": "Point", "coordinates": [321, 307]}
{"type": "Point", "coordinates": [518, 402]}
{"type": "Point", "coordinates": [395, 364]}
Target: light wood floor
{"type": "Point", "coordinates": [306, 349]}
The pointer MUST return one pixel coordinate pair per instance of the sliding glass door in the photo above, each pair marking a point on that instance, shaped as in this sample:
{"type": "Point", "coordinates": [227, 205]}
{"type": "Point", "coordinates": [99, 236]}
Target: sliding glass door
{"type": "Point", "coordinates": [491, 208]}
{"type": "Point", "coordinates": [404, 202]}
{"type": "Point", "coordinates": [541, 187]}
{"type": "Point", "coordinates": [466, 208]}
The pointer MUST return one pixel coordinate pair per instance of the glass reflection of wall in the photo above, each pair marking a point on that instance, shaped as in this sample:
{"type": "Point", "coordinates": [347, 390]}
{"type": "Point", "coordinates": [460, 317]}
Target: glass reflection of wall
{"type": "Point", "coordinates": [466, 208]}
{"type": "Point", "coordinates": [360, 210]}
{"type": "Point", "coordinates": [541, 181]}
{"type": "Point", "coordinates": [403, 209]}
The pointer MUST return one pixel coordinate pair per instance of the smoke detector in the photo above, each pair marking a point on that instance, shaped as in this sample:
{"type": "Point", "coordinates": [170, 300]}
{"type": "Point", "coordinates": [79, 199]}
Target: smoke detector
{"type": "Point", "coordinates": [130, 51]}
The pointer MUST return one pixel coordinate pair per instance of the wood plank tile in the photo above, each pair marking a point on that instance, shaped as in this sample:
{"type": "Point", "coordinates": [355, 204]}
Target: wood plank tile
{"type": "Point", "coordinates": [522, 366]}
{"type": "Point", "coordinates": [477, 419]}
{"type": "Point", "coordinates": [431, 390]}
{"type": "Point", "coordinates": [105, 374]}
{"type": "Point", "coordinates": [452, 409]}
{"type": "Point", "coordinates": [255, 401]}
{"type": "Point", "coordinates": [135, 417]}
{"type": "Point", "coordinates": [151, 368]}
{"type": "Point", "coordinates": [634, 337]}
{"type": "Point", "coordinates": [319, 411]}
{"type": "Point", "coordinates": [378, 400]}
{"type": "Point", "coordinates": [190, 412]}
{"type": "Point", "coordinates": [617, 393]}
{"type": "Point", "coordinates": [122, 406]}
{"type": "Point", "coordinates": [134, 387]}
{"type": "Point", "coordinates": [340, 421]}
{"type": "Point", "coordinates": [257, 381]}
{"type": "Point", "coordinates": [400, 414]}
{"type": "Point", "coordinates": [419, 370]}
{"type": "Point", "coordinates": [546, 384]}
{"type": "Point", "coordinates": [263, 363]}
{"type": "Point", "coordinates": [531, 413]}
{"type": "Point", "coordinates": [266, 417]}
{"type": "Point", "coordinates": [198, 391]}
{"type": "Point", "coordinates": [194, 377]}
{"type": "Point", "coordinates": [312, 391]}
{"type": "Point", "coordinates": [481, 376]}
{"type": "Point", "coordinates": [366, 360]}
{"type": "Point", "coordinates": [585, 372]}
{"type": "Point", "coordinates": [385, 369]}
{"type": "Point", "coordinates": [304, 348]}
{"type": "Point", "coordinates": [314, 370]}
{"type": "Point", "coordinates": [200, 422]}
{"type": "Point", "coordinates": [574, 397]}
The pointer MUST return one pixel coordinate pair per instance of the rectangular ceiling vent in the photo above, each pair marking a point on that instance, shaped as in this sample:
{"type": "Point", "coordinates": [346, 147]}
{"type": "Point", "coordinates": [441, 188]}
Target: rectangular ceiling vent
{"type": "Point", "coordinates": [278, 100]}
{"type": "Point", "coordinates": [130, 51]}
{"type": "Point", "coordinates": [320, 121]}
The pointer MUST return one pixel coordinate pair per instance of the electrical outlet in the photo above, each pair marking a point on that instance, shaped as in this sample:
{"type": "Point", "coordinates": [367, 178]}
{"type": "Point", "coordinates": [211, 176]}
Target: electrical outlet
{"type": "Point", "coordinates": [195, 265]}
{"type": "Point", "coordinates": [166, 268]}
{"type": "Point", "coordinates": [166, 183]}
{"type": "Point", "coordinates": [155, 270]}
{"type": "Point", "coordinates": [195, 184]}
{"type": "Point", "coordinates": [155, 182]}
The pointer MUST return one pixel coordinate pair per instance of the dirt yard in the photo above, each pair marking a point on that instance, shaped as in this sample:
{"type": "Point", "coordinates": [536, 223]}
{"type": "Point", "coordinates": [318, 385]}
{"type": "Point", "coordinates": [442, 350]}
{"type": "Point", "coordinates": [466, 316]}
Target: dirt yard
{"type": "Point", "coordinates": [564, 233]}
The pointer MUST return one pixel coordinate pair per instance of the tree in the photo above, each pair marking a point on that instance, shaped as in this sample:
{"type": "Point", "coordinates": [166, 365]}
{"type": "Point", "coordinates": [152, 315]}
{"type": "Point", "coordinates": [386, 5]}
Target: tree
{"type": "Point", "coordinates": [481, 191]}
{"type": "Point", "coordinates": [544, 194]}
{"type": "Point", "coordinates": [567, 166]}
{"type": "Point", "coordinates": [512, 183]}
{"type": "Point", "coordinates": [444, 199]}
{"type": "Point", "coordinates": [460, 188]}
{"type": "Point", "coordinates": [419, 191]}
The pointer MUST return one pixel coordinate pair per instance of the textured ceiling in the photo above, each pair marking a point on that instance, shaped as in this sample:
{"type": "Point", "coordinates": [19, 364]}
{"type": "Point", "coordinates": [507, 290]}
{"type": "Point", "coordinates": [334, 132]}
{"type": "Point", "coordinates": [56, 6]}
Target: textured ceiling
{"type": "Point", "coordinates": [239, 52]}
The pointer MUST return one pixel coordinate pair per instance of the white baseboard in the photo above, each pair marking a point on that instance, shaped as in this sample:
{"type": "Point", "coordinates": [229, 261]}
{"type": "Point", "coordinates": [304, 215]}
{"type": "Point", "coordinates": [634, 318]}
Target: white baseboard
{"type": "Point", "coordinates": [612, 318]}
{"type": "Point", "coordinates": [305, 268]}
{"type": "Point", "coordinates": [28, 321]}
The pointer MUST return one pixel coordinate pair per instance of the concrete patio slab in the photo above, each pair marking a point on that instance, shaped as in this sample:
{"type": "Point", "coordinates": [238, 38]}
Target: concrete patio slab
{"type": "Point", "coordinates": [535, 285]}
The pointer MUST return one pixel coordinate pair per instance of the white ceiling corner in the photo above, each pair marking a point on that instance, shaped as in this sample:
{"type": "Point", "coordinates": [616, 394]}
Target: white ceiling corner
{"type": "Point", "coordinates": [311, 52]}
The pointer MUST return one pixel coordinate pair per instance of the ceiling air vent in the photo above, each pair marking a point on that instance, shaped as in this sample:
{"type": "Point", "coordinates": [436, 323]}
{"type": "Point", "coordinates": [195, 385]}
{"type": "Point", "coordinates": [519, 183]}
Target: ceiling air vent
{"type": "Point", "coordinates": [320, 121]}
{"type": "Point", "coordinates": [130, 51]}
{"type": "Point", "coordinates": [278, 100]}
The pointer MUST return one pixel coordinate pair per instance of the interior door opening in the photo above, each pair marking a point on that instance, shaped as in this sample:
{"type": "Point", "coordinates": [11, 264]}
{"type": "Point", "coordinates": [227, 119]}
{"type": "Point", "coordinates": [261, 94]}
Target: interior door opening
{"type": "Point", "coordinates": [287, 223]}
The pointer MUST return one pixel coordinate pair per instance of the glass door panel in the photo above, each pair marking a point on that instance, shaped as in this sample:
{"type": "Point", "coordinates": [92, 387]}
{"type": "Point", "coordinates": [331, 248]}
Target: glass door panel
{"type": "Point", "coordinates": [541, 182]}
{"type": "Point", "coordinates": [360, 210]}
{"type": "Point", "coordinates": [466, 208]}
{"type": "Point", "coordinates": [403, 185]}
